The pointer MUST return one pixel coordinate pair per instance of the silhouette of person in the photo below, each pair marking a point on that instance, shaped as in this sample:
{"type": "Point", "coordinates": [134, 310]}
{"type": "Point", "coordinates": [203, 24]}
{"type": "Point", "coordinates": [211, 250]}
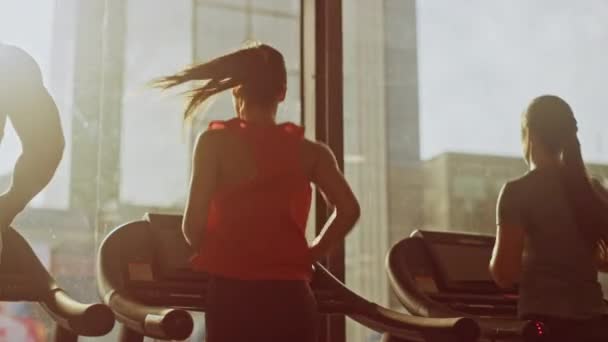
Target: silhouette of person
{"type": "Point", "coordinates": [33, 114]}
{"type": "Point", "coordinates": [552, 228]}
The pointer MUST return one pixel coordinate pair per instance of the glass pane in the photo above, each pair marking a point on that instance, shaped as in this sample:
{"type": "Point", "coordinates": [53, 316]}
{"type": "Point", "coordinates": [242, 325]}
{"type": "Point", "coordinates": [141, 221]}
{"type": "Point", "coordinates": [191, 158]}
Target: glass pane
{"type": "Point", "coordinates": [219, 3]}
{"type": "Point", "coordinates": [127, 149]}
{"type": "Point", "coordinates": [291, 7]}
{"type": "Point", "coordinates": [366, 118]}
{"type": "Point", "coordinates": [433, 93]}
{"type": "Point", "coordinates": [290, 109]}
{"type": "Point", "coordinates": [471, 102]}
{"type": "Point", "coordinates": [145, 114]}
{"type": "Point", "coordinates": [222, 29]}
{"type": "Point", "coordinates": [283, 32]}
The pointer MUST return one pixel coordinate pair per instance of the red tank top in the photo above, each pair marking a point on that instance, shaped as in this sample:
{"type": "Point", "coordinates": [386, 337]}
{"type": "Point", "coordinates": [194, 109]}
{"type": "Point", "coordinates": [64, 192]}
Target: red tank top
{"type": "Point", "coordinates": [256, 229]}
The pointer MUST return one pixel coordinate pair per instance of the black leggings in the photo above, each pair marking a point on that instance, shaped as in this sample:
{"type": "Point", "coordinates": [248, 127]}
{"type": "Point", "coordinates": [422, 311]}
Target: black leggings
{"type": "Point", "coordinates": [269, 310]}
{"type": "Point", "coordinates": [571, 330]}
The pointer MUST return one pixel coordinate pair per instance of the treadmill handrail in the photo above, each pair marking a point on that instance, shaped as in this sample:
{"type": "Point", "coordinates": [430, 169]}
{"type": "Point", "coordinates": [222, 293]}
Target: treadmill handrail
{"type": "Point", "coordinates": [153, 321]}
{"type": "Point", "coordinates": [70, 314]}
{"type": "Point", "coordinates": [82, 319]}
{"type": "Point", "coordinates": [420, 304]}
{"type": "Point", "coordinates": [392, 322]}
{"type": "Point", "coordinates": [334, 297]}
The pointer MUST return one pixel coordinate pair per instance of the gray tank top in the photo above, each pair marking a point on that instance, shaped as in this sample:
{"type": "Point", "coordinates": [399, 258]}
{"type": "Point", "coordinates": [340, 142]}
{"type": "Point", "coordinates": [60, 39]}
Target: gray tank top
{"type": "Point", "coordinates": [559, 273]}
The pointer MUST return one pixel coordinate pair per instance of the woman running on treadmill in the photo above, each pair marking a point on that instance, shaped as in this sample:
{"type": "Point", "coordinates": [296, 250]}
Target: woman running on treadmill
{"type": "Point", "coordinates": [249, 200]}
{"type": "Point", "coordinates": [551, 227]}
{"type": "Point", "coordinates": [34, 116]}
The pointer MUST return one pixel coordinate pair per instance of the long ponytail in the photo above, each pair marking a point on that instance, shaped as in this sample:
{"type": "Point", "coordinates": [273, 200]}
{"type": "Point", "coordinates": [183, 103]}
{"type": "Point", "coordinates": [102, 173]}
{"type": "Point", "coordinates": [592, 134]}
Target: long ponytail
{"type": "Point", "coordinates": [590, 211]}
{"type": "Point", "coordinates": [259, 70]}
{"type": "Point", "coordinates": [551, 119]}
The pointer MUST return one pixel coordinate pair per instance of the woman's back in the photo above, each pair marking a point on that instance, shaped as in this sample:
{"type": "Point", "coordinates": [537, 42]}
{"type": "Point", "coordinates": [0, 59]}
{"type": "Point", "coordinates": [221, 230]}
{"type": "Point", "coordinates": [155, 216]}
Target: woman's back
{"type": "Point", "coordinates": [257, 218]}
{"type": "Point", "coordinates": [559, 269]}
{"type": "Point", "coordinates": [236, 141]}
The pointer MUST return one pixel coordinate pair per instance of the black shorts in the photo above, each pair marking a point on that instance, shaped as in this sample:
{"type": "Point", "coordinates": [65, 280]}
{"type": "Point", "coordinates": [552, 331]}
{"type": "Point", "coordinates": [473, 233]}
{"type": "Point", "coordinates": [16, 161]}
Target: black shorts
{"type": "Point", "coordinates": [268, 310]}
{"type": "Point", "coordinates": [573, 330]}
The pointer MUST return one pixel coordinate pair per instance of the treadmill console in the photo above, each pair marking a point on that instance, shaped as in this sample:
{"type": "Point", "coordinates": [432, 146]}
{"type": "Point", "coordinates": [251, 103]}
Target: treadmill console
{"type": "Point", "coordinates": [457, 265]}
{"type": "Point", "coordinates": [173, 253]}
{"type": "Point", "coordinates": [461, 261]}
{"type": "Point", "coordinates": [156, 265]}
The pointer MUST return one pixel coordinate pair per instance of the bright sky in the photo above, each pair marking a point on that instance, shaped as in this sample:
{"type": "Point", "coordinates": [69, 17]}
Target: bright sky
{"type": "Point", "coordinates": [481, 61]}
{"type": "Point", "coordinates": [27, 24]}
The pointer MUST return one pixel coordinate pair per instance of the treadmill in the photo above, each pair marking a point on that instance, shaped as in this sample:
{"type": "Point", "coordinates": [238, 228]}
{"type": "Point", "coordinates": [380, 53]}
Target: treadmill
{"type": "Point", "coordinates": [445, 274]}
{"type": "Point", "coordinates": [24, 278]}
{"type": "Point", "coordinates": [144, 276]}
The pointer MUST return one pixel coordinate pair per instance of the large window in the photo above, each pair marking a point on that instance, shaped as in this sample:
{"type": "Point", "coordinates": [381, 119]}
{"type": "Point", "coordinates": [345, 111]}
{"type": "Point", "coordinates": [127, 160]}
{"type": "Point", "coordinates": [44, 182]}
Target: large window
{"type": "Point", "coordinates": [433, 93]}
{"type": "Point", "coordinates": [128, 150]}
{"type": "Point", "coordinates": [481, 62]}
{"type": "Point", "coordinates": [480, 65]}
{"type": "Point", "coordinates": [156, 143]}
{"type": "Point", "coordinates": [381, 137]}
{"type": "Point", "coordinates": [154, 154]}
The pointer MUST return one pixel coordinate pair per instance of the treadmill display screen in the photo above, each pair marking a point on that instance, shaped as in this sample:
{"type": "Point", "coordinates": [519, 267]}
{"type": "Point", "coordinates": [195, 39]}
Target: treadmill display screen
{"type": "Point", "coordinates": [172, 252]}
{"type": "Point", "coordinates": [463, 263]}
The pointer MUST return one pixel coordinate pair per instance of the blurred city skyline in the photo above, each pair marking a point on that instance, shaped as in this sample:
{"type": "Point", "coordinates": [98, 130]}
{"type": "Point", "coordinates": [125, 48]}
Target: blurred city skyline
{"type": "Point", "coordinates": [477, 70]}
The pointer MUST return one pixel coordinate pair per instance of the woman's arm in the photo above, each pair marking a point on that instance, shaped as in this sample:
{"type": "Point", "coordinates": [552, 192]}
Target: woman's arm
{"type": "Point", "coordinates": [328, 177]}
{"type": "Point", "coordinates": [203, 182]}
{"type": "Point", "coordinates": [36, 121]}
{"type": "Point", "coordinates": [602, 257]}
{"type": "Point", "coordinates": [602, 249]}
{"type": "Point", "coordinates": [505, 265]}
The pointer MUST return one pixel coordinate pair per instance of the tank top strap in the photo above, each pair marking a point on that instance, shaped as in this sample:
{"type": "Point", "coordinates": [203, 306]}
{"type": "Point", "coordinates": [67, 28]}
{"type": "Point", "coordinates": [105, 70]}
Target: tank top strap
{"type": "Point", "coordinates": [292, 130]}
{"type": "Point", "coordinates": [275, 147]}
{"type": "Point", "coordinates": [288, 128]}
{"type": "Point", "coordinates": [226, 124]}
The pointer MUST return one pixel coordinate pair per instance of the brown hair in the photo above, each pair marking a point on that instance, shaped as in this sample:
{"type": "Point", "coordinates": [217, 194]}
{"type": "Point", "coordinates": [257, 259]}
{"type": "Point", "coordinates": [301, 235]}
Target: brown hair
{"type": "Point", "coordinates": [257, 72]}
{"type": "Point", "coordinates": [551, 120]}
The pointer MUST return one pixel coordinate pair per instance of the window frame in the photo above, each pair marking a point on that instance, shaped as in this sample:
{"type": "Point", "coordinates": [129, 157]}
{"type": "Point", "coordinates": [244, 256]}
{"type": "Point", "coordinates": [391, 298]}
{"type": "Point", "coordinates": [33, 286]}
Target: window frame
{"type": "Point", "coordinates": [322, 108]}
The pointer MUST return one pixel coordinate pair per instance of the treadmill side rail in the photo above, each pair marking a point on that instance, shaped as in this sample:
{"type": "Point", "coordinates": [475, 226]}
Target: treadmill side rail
{"type": "Point", "coordinates": [154, 305]}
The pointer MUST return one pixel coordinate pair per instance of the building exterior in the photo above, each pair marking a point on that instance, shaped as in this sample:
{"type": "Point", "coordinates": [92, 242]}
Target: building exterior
{"type": "Point", "coordinates": [381, 138]}
{"type": "Point", "coordinates": [461, 189]}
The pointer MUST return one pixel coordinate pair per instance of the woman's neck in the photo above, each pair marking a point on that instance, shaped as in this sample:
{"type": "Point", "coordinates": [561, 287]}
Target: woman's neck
{"type": "Point", "coordinates": [260, 116]}
{"type": "Point", "coordinates": [545, 162]}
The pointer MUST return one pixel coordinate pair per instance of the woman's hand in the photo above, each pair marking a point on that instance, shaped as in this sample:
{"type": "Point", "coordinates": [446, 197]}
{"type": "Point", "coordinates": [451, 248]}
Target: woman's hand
{"type": "Point", "coordinates": [316, 252]}
{"type": "Point", "coordinates": [203, 182]}
{"type": "Point", "coordinates": [601, 256]}
{"type": "Point", "coordinates": [337, 192]}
